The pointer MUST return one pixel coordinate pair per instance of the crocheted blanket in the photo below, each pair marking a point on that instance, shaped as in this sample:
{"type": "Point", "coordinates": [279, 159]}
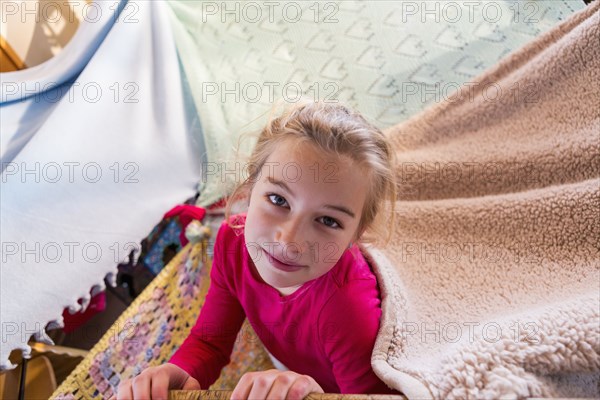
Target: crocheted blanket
{"type": "Point", "coordinates": [490, 289]}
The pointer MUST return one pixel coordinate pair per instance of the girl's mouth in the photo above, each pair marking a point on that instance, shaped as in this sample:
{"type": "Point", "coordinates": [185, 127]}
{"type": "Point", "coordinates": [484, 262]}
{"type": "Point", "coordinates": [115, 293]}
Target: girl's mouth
{"type": "Point", "coordinates": [280, 265]}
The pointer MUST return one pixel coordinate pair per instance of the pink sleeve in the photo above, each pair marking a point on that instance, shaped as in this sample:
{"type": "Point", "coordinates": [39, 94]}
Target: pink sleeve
{"type": "Point", "coordinates": [348, 326]}
{"type": "Point", "coordinates": [208, 347]}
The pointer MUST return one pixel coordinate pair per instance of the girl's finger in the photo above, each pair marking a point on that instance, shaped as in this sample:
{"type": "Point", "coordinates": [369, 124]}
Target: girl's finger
{"type": "Point", "coordinates": [254, 385]}
{"type": "Point", "coordinates": [302, 387]}
{"type": "Point", "coordinates": [191, 384]}
{"type": "Point", "coordinates": [160, 386]}
{"type": "Point", "coordinates": [262, 384]}
{"type": "Point", "coordinates": [279, 388]}
{"type": "Point", "coordinates": [124, 392]}
{"type": "Point", "coordinates": [242, 389]}
{"type": "Point", "coordinates": [141, 387]}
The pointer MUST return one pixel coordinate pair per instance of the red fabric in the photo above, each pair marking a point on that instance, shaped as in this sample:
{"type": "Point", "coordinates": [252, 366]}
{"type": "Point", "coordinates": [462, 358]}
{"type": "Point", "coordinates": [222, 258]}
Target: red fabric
{"type": "Point", "coordinates": [222, 203]}
{"type": "Point", "coordinates": [186, 213]}
{"type": "Point", "coordinates": [74, 321]}
{"type": "Point", "coordinates": [326, 329]}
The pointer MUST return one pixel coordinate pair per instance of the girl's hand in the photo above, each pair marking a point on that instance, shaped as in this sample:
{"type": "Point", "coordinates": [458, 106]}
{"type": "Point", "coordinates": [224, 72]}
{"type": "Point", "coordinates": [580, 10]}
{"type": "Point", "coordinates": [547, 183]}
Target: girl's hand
{"type": "Point", "coordinates": [155, 383]}
{"type": "Point", "coordinates": [274, 384]}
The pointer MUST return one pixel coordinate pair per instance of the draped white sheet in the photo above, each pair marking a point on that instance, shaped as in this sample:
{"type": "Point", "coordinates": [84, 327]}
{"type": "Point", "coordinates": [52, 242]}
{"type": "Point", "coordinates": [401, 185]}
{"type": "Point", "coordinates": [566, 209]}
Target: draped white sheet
{"type": "Point", "coordinates": [90, 165]}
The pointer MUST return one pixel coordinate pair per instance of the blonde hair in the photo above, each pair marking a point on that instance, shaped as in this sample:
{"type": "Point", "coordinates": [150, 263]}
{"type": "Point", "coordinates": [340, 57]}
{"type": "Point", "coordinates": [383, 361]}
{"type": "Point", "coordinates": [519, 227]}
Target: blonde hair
{"type": "Point", "coordinates": [334, 129]}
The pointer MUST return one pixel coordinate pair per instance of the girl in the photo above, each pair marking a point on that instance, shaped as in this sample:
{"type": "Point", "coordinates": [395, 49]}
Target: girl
{"type": "Point", "coordinates": [319, 179]}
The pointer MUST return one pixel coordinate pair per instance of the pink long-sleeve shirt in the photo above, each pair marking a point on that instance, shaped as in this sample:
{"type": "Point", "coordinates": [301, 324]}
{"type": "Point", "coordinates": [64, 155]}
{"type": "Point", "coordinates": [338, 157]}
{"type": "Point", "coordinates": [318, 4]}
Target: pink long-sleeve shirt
{"type": "Point", "coordinates": [325, 329]}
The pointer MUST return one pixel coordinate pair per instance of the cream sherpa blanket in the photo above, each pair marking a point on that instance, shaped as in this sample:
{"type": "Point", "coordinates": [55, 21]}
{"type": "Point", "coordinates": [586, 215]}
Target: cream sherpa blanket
{"type": "Point", "coordinates": [491, 287]}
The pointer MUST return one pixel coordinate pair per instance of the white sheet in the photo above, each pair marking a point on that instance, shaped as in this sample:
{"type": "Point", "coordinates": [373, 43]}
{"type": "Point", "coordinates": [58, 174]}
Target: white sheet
{"type": "Point", "coordinates": [108, 163]}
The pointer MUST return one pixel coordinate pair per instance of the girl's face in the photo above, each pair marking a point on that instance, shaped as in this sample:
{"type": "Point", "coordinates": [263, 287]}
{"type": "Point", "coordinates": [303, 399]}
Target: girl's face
{"type": "Point", "coordinates": [304, 211]}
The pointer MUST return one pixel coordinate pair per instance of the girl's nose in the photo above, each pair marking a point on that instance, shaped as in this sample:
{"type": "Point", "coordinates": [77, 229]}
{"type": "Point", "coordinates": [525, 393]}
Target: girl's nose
{"type": "Point", "coordinates": [289, 235]}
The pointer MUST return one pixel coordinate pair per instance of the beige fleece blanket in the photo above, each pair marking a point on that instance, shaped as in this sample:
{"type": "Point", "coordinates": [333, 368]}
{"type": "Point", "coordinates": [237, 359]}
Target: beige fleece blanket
{"type": "Point", "coordinates": [491, 286]}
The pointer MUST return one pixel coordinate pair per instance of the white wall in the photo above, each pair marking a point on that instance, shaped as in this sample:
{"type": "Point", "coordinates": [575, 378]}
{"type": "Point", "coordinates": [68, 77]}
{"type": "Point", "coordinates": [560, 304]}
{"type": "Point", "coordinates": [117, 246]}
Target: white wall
{"type": "Point", "coordinates": [36, 30]}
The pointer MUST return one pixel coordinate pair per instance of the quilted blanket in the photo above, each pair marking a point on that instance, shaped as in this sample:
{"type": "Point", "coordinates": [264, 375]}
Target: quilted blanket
{"type": "Point", "coordinates": [491, 285]}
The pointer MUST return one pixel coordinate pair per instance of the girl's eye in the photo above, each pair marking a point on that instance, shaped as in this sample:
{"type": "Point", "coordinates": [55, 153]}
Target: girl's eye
{"type": "Point", "coordinates": [330, 222]}
{"type": "Point", "coordinates": [277, 200]}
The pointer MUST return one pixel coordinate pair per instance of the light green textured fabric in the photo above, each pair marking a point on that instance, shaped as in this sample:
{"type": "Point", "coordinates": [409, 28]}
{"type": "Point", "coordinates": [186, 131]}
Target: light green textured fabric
{"type": "Point", "coordinates": [387, 59]}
